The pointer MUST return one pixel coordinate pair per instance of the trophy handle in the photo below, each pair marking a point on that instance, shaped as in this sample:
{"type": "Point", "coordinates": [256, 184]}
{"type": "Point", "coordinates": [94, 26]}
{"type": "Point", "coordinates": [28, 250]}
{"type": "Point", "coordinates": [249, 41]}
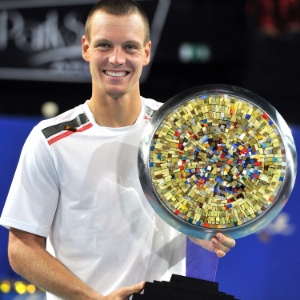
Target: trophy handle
{"type": "Point", "coordinates": [200, 263]}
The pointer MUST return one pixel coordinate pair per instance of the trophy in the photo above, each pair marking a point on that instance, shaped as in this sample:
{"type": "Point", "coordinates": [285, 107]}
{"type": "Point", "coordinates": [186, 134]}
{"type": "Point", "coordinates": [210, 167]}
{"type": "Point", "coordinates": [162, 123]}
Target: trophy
{"type": "Point", "coordinates": [217, 158]}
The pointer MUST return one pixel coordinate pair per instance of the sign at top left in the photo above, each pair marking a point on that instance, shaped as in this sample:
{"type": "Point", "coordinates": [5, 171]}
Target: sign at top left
{"type": "Point", "coordinates": [41, 40]}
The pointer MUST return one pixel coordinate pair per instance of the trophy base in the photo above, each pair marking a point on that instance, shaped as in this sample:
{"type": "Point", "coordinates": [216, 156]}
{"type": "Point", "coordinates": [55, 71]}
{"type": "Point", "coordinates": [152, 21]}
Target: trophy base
{"type": "Point", "coordinates": [181, 287]}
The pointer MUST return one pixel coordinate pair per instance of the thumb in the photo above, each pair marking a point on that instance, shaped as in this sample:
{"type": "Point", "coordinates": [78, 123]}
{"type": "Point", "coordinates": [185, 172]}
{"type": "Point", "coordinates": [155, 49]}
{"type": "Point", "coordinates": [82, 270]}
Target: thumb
{"type": "Point", "coordinates": [138, 287]}
{"type": "Point", "coordinates": [125, 292]}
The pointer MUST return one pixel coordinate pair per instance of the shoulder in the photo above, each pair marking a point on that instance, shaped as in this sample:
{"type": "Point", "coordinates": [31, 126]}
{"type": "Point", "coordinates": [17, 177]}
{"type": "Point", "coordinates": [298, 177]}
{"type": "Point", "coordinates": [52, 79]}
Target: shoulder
{"type": "Point", "coordinates": [74, 114]}
{"type": "Point", "coordinates": [151, 106]}
{"type": "Point", "coordinates": [151, 103]}
{"type": "Point", "coordinates": [69, 121]}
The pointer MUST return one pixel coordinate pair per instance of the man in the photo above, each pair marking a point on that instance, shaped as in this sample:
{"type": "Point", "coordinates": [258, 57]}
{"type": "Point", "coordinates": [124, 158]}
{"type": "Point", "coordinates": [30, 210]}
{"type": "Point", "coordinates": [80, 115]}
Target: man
{"type": "Point", "coordinates": [77, 183]}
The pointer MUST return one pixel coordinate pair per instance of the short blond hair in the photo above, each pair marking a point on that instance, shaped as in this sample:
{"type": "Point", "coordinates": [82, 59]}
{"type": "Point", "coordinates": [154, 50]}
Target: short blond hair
{"type": "Point", "coordinates": [118, 8]}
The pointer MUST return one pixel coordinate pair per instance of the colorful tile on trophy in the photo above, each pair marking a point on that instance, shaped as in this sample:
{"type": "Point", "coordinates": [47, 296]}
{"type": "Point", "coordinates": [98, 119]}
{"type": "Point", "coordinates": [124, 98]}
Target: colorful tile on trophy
{"type": "Point", "coordinates": [217, 161]}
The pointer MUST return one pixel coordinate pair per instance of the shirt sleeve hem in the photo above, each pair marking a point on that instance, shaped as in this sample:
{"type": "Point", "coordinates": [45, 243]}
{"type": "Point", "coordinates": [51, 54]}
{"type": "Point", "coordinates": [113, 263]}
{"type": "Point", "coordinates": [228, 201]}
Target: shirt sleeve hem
{"type": "Point", "coordinates": [9, 223]}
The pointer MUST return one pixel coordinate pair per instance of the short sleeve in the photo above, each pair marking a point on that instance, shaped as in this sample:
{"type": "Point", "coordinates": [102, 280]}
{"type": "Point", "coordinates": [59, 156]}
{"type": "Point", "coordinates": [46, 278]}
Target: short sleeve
{"type": "Point", "coordinates": [34, 193]}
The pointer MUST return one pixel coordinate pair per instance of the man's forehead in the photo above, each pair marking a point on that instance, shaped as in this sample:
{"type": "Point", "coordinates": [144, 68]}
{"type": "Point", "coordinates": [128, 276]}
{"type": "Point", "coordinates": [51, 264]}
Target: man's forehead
{"type": "Point", "coordinates": [104, 22]}
{"type": "Point", "coordinates": [103, 17]}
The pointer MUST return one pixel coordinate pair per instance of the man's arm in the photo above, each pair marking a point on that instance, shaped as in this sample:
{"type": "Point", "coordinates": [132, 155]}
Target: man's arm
{"type": "Point", "coordinates": [29, 258]}
{"type": "Point", "coordinates": [220, 244]}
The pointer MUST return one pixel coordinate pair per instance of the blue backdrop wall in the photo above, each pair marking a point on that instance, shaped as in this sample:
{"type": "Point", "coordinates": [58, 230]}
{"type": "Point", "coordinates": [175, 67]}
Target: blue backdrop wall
{"type": "Point", "coordinates": [265, 265]}
{"type": "Point", "coordinates": [12, 136]}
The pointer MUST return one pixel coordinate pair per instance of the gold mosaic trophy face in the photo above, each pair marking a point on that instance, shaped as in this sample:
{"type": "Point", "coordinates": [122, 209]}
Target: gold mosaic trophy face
{"type": "Point", "coordinates": [217, 158]}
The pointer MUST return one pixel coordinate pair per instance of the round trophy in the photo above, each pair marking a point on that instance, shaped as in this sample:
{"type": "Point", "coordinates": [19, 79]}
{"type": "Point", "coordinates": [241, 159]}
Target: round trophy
{"type": "Point", "coordinates": [217, 158]}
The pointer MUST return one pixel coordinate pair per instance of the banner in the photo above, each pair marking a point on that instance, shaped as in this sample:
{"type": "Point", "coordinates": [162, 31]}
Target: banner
{"type": "Point", "coordinates": [41, 40]}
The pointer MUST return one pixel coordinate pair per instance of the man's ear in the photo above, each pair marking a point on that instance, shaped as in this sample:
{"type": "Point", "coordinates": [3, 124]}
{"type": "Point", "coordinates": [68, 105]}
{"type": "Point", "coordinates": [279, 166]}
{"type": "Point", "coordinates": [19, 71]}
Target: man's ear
{"type": "Point", "coordinates": [85, 48]}
{"type": "Point", "coordinates": [147, 53]}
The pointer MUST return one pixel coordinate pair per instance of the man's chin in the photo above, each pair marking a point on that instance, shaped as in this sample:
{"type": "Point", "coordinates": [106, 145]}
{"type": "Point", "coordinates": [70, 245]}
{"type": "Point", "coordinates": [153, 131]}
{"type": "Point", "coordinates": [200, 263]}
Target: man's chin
{"type": "Point", "coordinates": [116, 94]}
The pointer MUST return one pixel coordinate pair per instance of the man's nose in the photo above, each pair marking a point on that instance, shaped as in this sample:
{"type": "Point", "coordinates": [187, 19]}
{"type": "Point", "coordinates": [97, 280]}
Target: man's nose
{"type": "Point", "coordinates": [117, 57]}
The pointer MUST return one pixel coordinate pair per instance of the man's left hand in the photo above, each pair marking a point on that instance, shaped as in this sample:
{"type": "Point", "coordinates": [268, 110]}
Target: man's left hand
{"type": "Point", "coordinates": [220, 244]}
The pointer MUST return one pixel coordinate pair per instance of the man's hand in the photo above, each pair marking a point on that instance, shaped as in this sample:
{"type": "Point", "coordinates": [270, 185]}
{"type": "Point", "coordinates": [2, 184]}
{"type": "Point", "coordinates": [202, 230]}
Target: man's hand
{"type": "Point", "coordinates": [220, 244]}
{"type": "Point", "coordinates": [125, 292]}
{"type": "Point", "coordinates": [30, 259]}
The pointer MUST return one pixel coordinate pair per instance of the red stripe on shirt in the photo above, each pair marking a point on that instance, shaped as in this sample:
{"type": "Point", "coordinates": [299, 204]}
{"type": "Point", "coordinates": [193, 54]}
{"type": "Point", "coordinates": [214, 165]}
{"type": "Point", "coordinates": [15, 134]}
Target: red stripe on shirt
{"type": "Point", "coordinates": [146, 117]}
{"type": "Point", "coordinates": [67, 133]}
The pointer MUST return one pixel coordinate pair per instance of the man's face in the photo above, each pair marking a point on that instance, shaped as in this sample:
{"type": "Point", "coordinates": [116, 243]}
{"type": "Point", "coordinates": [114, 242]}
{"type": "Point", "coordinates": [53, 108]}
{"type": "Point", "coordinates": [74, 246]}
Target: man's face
{"type": "Point", "coordinates": [116, 52]}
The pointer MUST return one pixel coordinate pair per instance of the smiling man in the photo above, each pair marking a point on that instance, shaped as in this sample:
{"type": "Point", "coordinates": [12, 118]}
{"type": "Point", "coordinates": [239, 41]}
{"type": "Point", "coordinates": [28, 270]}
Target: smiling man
{"type": "Point", "coordinates": [77, 185]}
{"type": "Point", "coordinates": [117, 46]}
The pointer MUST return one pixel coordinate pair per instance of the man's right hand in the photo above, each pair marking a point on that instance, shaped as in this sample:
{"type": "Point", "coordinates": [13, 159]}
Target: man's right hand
{"type": "Point", "coordinates": [125, 292]}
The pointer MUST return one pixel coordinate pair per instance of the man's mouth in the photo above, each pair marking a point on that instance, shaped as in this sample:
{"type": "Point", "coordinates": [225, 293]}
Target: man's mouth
{"type": "Point", "coordinates": [116, 74]}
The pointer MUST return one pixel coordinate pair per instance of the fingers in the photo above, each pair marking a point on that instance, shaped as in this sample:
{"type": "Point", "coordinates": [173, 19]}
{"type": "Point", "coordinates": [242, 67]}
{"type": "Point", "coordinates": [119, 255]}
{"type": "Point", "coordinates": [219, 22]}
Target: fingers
{"type": "Point", "coordinates": [125, 292]}
{"type": "Point", "coordinates": [222, 244]}
{"type": "Point", "coordinates": [225, 240]}
{"type": "Point", "coordinates": [138, 287]}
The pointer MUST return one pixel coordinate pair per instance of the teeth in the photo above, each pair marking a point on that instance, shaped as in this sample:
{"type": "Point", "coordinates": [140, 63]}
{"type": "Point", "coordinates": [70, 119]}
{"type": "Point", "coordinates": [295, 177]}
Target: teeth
{"type": "Point", "coordinates": [115, 74]}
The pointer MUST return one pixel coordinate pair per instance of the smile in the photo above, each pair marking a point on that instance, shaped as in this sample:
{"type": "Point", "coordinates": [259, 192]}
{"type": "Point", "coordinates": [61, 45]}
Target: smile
{"type": "Point", "coordinates": [116, 74]}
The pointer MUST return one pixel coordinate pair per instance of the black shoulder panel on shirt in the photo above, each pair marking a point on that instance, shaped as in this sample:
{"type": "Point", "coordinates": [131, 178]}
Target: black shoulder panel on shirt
{"type": "Point", "coordinates": [150, 112]}
{"type": "Point", "coordinates": [71, 125]}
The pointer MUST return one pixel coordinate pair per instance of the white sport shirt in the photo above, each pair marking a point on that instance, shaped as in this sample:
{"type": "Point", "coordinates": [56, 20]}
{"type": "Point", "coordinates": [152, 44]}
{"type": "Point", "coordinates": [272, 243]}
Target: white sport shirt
{"type": "Point", "coordinates": [77, 184]}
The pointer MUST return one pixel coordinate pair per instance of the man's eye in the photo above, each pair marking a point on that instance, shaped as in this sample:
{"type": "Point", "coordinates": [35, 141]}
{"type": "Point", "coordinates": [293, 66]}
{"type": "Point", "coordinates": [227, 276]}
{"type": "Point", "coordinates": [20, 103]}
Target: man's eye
{"type": "Point", "coordinates": [130, 47]}
{"type": "Point", "coordinates": [103, 45]}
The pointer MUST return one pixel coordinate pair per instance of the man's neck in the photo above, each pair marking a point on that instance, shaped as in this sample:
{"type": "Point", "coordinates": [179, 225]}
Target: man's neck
{"type": "Point", "coordinates": [111, 112]}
